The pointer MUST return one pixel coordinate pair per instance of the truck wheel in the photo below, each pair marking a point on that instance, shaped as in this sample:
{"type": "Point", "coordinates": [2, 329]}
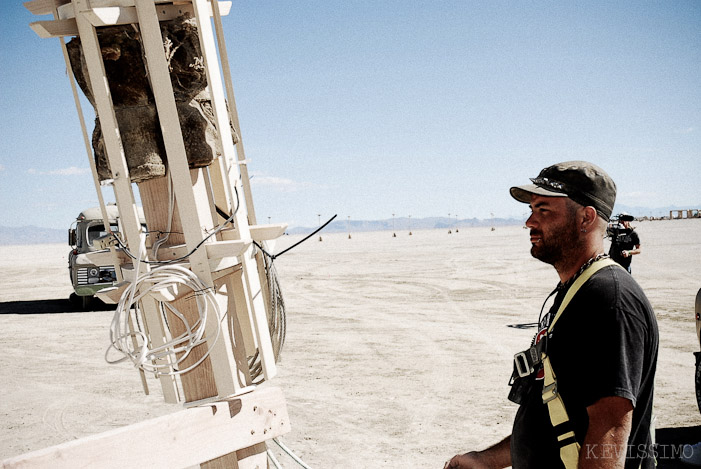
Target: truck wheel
{"type": "Point", "coordinates": [85, 302]}
{"type": "Point", "coordinates": [82, 302]}
{"type": "Point", "coordinates": [74, 299]}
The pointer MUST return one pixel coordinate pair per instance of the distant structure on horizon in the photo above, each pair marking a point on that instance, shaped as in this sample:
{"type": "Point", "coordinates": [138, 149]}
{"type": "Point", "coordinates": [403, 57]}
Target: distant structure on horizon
{"type": "Point", "coordinates": [679, 214]}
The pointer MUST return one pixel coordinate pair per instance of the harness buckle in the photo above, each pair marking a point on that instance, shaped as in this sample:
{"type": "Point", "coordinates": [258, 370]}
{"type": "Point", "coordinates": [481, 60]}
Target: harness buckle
{"type": "Point", "coordinates": [523, 368]}
{"type": "Point", "coordinates": [549, 389]}
{"type": "Point", "coordinates": [526, 361]}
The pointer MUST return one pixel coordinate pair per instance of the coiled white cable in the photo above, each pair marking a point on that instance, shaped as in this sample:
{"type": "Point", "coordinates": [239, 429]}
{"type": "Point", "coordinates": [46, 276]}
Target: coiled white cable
{"type": "Point", "coordinates": [167, 358]}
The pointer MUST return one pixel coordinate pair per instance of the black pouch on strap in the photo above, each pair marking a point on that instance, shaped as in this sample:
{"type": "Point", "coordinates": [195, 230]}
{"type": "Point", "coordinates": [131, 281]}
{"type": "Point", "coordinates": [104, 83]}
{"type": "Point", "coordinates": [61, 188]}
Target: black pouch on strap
{"type": "Point", "coordinates": [520, 387]}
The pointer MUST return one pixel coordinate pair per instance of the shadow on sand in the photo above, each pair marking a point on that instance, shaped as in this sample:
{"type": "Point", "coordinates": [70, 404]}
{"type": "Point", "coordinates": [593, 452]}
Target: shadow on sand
{"type": "Point", "coordinates": [670, 442]}
{"type": "Point", "coordinates": [52, 306]}
{"type": "Point", "coordinates": [526, 325]}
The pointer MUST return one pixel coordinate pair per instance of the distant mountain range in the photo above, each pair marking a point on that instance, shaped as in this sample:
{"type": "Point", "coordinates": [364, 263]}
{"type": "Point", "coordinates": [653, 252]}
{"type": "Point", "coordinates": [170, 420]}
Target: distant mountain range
{"type": "Point", "coordinates": [34, 235]}
{"type": "Point", "coordinates": [405, 224]}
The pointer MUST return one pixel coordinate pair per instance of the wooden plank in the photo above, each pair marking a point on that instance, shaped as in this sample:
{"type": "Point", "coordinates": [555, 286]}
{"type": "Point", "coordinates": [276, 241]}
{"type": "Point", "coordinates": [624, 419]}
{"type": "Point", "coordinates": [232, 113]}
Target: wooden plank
{"type": "Point", "coordinates": [194, 216]}
{"type": "Point", "coordinates": [228, 461]}
{"type": "Point", "coordinates": [158, 335]}
{"type": "Point", "coordinates": [128, 211]}
{"type": "Point", "coordinates": [87, 142]}
{"type": "Point", "coordinates": [106, 257]}
{"type": "Point", "coordinates": [106, 16]}
{"type": "Point", "coordinates": [267, 232]}
{"type": "Point", "coordinates": [255, 457]}
{"type": "Point", "coordinates": [228, 283]}
{"type": "Point", "coordinates": [179, 440]}
{"type": "Point", "coordinates": [244, 315]}
{"type": "Point", "coordinates": [220, 249]}
{"type": "Point", "coordinates": [156, 189]}
{"type": "Point", "coordinates": [154, 197]}
{"type": "Point", "coordinates": [225, 5]}
{"type": "Point", "coordinates": [110, 16]}
{"type": "Point", "coordinates": [260, 233]}
{"type": "Point", "coordinates": [108, 122]}
{"type": "Point", "coordinates": [55, 28]}
{"type": "Point", "coordinates": [252, 285]}
{"type": "Point", "coordinates": [263, 279]}
{"type": "Point", "coordinates": [199, 383]}
{"type": "Point", "coordinates": [170, 293]}
{"type": "Point", "coordinates": [44, 7]}
{"type": "Point", "coordinates": [217, 12]}
{"type": "Point", "coordinates": [220, 181]}
{"type": "Point", "coordinates": [215, 250]}
{"type": "Point", "coordinates": [193, 205]}
{"type": "Point", "coordinates": [221, 190]}
{"type": "Point", "coordinates": [111, 295]}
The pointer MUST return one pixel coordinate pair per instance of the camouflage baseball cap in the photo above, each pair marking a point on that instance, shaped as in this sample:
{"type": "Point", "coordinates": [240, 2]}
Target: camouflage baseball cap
{"type": "Point", "coordinates": [583, 182]}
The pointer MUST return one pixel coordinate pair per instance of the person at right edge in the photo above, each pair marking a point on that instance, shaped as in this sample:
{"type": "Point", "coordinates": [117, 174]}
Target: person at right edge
{"type": "Point", "coordinates": [585, 386]}
{"type": "Point", "coordinates": [625, 242]}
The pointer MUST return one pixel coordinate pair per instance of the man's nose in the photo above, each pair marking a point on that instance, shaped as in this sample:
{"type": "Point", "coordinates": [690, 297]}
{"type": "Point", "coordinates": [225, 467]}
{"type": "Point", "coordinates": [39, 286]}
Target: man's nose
{"type": "Point", "coordinates": [530, 223]}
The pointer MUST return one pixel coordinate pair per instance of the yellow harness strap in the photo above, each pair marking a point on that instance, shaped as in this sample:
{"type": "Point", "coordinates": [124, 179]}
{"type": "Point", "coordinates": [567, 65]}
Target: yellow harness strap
{"type": "Point", "coordinates": [569, 448]}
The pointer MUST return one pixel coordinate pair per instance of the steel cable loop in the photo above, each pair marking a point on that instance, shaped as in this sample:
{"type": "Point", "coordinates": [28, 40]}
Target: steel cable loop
{"type": "Point", "coordinates": [277, 320]}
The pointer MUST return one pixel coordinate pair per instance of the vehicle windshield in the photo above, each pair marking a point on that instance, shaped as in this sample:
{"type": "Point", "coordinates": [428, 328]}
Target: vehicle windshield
{"type": "Point", "coordinates": [97, 230]}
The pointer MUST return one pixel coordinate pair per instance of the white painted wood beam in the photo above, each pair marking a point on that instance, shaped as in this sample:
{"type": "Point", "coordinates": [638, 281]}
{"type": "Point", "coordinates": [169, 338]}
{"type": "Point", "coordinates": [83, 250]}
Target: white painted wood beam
{"type": "Point", "coordinates": [179, 440]}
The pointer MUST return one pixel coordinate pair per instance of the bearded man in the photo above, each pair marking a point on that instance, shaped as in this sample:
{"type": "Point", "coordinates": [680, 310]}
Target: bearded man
{"type": "Point", "coordinates": [585, 386]}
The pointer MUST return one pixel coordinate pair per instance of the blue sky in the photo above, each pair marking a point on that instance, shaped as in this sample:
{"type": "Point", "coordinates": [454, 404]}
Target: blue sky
{"type": "Point", "coordinates": [420, 108]}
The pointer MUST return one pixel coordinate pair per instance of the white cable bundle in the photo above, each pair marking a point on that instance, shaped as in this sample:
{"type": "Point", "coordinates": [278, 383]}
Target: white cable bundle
{"type": "Point", "coordinates": [145, 356]}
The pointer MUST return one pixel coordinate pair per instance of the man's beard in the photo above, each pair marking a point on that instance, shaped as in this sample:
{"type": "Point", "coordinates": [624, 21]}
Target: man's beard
{"type": "Point", "coordinates": [560, 242]}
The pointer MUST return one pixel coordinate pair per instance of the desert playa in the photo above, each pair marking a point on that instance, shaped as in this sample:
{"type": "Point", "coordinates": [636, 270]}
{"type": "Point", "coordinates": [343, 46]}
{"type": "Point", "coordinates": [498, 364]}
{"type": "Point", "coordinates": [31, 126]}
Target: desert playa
{"type": "Point", "coordinates": [398, 350]}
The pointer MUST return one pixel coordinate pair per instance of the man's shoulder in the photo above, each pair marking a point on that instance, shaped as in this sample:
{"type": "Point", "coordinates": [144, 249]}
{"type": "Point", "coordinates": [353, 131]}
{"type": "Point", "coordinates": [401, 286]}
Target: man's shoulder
{"type": "Point", "coordinates": [614, 288]}
{"type": "Point", "coordinates": [614, 279]}
{"type": "Point", "coordinates": [607, 287]}
{"type": "Point", "coordinates": [634, 236]}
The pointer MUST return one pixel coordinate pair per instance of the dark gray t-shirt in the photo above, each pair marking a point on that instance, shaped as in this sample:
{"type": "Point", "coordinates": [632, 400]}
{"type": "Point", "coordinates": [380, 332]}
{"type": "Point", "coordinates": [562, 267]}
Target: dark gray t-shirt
{"type": "Point", "coordinates": [604, 344]}
{"type": "Point", "coordinates": [625, 241]}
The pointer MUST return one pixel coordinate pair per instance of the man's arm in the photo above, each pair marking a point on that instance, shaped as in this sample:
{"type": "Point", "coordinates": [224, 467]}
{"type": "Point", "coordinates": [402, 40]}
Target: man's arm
{"type": "Point", "coordinates": [606, 441]}
{"type": "Point", "coordinates": [494, 457]}
{"type": "Point", "coordinates": [636, 242]}
{"type": "Point", "coordinates": [632, 252]}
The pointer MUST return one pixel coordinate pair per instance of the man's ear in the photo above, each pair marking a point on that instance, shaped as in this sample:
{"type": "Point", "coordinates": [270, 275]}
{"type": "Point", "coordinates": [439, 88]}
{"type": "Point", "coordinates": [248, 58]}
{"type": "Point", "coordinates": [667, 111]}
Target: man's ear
{"type": "Point", "coordinates": [588, 218]}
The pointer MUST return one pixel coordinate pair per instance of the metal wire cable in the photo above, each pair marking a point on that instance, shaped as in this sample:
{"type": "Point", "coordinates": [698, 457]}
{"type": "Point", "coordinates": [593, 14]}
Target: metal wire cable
{"type": "Point", "coordinates": [277, 320]}
{"type": "Point", "coordinates": [290, 453]}
{"type": "Point", "coordinates": [230, 219]}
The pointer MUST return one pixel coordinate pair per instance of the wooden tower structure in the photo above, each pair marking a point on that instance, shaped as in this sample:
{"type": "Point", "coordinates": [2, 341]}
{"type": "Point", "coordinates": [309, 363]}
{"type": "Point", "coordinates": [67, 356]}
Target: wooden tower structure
{"type": "Point", "coordinates": [205, 342]}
